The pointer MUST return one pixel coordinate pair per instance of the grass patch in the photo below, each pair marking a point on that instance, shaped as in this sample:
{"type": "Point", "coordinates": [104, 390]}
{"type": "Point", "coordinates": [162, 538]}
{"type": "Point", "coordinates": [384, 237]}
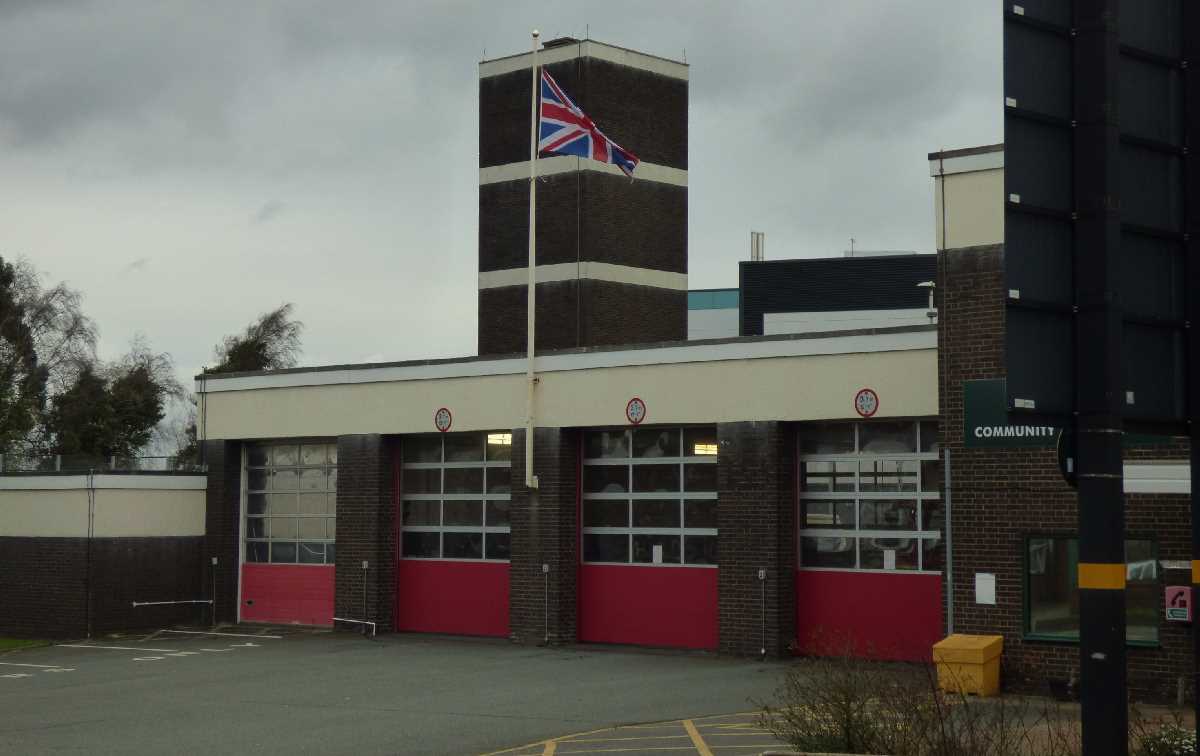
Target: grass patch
{"type": "Point", "coordinates": [9, 644]}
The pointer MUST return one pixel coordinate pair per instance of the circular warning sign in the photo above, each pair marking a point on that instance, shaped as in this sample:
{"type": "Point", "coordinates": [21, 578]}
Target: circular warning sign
{"type": "Point", "coordinates": [866, 402]}
{"type": "Point", "coordinates": [442, 420]}
{"type": "Point", "coordinates": [635, 411]}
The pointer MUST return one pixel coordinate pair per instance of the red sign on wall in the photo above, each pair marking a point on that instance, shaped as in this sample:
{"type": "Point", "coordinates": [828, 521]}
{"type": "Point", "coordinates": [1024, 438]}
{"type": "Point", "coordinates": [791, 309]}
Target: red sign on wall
{"type": "Point", "coordinates": [1179, 603]}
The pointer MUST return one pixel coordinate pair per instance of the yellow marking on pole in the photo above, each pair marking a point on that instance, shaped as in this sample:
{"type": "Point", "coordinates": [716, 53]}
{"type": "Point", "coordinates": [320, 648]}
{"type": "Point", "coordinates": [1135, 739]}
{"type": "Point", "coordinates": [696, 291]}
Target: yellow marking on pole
{"type": "Point", "coordinates": [551, 747]}
{"type": "Point", "coordinates": [1103, 577]}
{"type": "Point", "coordinates": [694, 734]}
{"type": "Point", "coordinates": [1196, 572]}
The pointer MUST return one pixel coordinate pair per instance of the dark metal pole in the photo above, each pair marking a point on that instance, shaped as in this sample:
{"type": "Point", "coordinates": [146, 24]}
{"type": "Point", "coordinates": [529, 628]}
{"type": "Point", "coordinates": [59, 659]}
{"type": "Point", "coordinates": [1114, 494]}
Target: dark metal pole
{"type": "Point", "coordinates": [1099, 381]}
{"type": "Point", "coordinates": [1191, 194]}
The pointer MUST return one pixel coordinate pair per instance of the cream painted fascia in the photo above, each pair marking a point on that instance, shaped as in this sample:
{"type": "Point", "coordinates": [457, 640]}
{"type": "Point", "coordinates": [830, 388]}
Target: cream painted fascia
{"type": "Point", "coordinates": [974, 209]}
{"type": "Point", "coordinates": [128, 513]}
{"type": "Point", "coordinates": [56, 506]}
{"type": "Point", "coordinates": [585, 49]}
{"type": "Point", "coordinates": [585, 271]}
{"type": "Point", "coordinates": [135, 482]}
{"type": "Point", "coordinates": [44, 513]}
{"type": "Point", "coordinates": [789, 388]}
{"type": "Point", "coordinates": [550, 166]}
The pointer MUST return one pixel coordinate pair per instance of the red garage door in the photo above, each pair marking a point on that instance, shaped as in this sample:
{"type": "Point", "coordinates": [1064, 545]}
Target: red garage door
{"type": "Point", "coordinates": [649, 537]}
{"type": "Point", "coordinates": [452, 575]}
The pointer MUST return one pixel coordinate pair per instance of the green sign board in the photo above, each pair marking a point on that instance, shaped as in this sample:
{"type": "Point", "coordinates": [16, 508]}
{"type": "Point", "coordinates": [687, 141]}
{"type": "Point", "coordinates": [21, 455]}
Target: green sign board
{"type": "Point", "coordinates": [986, 422]}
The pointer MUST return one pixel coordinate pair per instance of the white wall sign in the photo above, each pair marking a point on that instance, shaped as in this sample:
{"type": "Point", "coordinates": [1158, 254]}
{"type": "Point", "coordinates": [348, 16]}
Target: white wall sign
{"type": "Point", "coordinates": [985, 588]}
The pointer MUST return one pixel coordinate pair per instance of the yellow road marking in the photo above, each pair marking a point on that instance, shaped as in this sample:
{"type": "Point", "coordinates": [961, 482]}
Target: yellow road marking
{"type": "Point", "coordinates": [617, 740]}
{"type": "Point", "coordinates": [551, 747]}
{"type": "Point", "coordinates": [701, 747]}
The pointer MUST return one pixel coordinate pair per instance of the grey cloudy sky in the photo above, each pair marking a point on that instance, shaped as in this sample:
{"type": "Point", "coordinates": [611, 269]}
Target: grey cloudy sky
{"type": "Point", "coordinates": [189, 165]}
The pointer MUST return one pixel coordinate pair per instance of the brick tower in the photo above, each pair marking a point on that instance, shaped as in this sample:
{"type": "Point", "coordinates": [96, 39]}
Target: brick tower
{"type": "Point", "coordinates": [611, 252]}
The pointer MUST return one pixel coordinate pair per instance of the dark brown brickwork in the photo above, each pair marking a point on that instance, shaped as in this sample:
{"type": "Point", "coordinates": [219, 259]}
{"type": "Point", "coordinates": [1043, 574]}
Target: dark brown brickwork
{"type": "Point", "coordinates": [617, 314]}
{"type": "Point", "coordinates": [757, 526]}
{"type": "Point", "coordinates": [47, 583]}
{"type": "Point", "coordinates": [585, 215]}
{"type": "Point", "coordinates": [644, 112]}
{"type": "Point", "coordinates": [366, 529]}
{"type": "Point", "coordinates": [222, 523]}
{"type": "Point", "coordinates": [545, 532]}
{"type": "Point", "coordinates": [1002, 496]}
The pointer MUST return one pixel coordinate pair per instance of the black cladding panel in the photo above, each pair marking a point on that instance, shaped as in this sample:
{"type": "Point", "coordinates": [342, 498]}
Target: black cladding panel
{"type": "Point", "coordinates": [1157, 258]}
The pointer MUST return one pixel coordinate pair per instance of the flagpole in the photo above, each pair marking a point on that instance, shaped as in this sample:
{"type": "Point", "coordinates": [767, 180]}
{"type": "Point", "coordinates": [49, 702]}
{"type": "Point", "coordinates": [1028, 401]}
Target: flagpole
{"type": "Point", "coordinates": [531, 380]}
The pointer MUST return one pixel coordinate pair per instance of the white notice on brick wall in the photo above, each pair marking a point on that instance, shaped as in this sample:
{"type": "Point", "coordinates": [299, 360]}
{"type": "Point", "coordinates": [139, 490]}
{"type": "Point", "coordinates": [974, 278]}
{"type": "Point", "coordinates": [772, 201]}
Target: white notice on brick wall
{"type": "Point", "coordinates": [985, 588]}
{"type": "Point", "coordinates": [889, 559]}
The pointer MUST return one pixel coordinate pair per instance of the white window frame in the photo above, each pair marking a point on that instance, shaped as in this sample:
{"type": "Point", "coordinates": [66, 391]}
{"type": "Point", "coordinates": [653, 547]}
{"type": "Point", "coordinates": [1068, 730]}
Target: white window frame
{"type": "Point", "coordinates": [442, 528]}
{"type": "Point", "coordinates": [681, 496]}
{"type": "Point", "coordinates": [243, 535]}
{"type": "Point", "coordinates": [856, 458]}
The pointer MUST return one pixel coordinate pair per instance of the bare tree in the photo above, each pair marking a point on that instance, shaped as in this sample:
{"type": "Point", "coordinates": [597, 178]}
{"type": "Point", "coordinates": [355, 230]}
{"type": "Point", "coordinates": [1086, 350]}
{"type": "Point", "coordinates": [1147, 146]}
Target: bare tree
{"type": "Point", "coordinates": [63, 337]}
{"type": "Point", "coordinates": [270, 343]}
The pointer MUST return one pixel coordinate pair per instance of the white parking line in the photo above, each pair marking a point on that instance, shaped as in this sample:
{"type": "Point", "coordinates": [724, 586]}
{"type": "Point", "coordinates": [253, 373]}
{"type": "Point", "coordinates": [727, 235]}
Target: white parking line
{"type": "Point", "coordinates": [148, 658]}
{"type": "Point", "coordinates": [226, 635]}
{"type": "Point", "coordinates": [116, 648]}
{"type": "Point", "coordinates": [18, 674]}
{"type": "Point", "coordinates": [47, 667]}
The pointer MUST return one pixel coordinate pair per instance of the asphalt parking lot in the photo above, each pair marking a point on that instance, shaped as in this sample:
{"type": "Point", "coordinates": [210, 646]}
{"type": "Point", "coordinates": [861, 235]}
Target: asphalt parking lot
{"type": "Point", "coordinates": [264, 690]}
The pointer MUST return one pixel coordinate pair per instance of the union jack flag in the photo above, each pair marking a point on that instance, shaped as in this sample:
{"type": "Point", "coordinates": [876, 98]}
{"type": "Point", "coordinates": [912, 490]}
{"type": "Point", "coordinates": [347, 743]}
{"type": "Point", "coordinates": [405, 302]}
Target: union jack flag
{"type": "Point", "coordinates": [566, 130]}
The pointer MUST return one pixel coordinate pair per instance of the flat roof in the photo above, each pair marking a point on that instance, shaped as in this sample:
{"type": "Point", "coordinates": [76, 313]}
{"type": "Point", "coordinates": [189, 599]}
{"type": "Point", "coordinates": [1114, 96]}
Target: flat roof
{"type": "Point", "coordinates": [966, 151]}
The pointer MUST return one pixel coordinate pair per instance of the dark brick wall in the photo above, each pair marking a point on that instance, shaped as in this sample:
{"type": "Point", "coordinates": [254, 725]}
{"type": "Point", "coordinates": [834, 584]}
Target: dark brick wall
{"type": "Point", "coordinates": [757, 526]}
{"type": "Point", "coordinates": [615, 314]}
{"type": "Point", "coordinates": [1001, 496]}
{"type": "Point", "coordinates": [643, 112]}
{"type": "Point", "coordinates": [585, 215]}
{"type": "Point", "coordinates": [545, 534]}
{"type": "Point", "coordinates": [47, 582]}
{"type": "Point", "coordinates": [223, 523]}
{"type": "Point", "coordinates": [366, 529]}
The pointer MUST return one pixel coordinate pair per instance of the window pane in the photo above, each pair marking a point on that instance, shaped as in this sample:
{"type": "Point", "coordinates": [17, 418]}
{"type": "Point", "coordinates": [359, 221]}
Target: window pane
{"type": "Point", "coordinates": [256, 480]}
{"type": "Point", "coordinates": [284, 552]}
{"type": "Point", "coordinates": [331, 452]}
{"type": "Point", "coordinates": [667, 550]}
{"type": "Point", "coordinates": [825, 477]}
{"type": "Point", "coordinates": [421, 481]}
{"type": "Point", "coordinates": [934, 559]}
{"type": "Point", "coordinates": [330, 527]}
{"type": "Point", "coordinates": [887, 515]}
{"type": "Point", "coordinates": [331, 503]}
{"type": "Point", "coordinates": [283, 527]}
{"type": "Point", "coordinates": [655, 478]}
{"type": "Point", "coordinates": [605, 479]}
{"type": "Point", "coordinates": [312, 553]}
{"type": "Point", "coordinates": [330, 554]}
{"type": "Point", "coordinates": [1053, 598]}
{"type": "Point", "coordinates": [312, 528]}
{"type": "Point", "coordinates": [826, 552]}
{"type": "Point", "coordinates": [873, 553]}
{"type": "Point", "coordinates": [605, 548]}
{"type": "Point", "coordinates": [929, 437]}
{"type": "Point", "coordinates": [700, 442]}
{"type": "Point", "coordinates": [283, 503]}
{"type": "Point", "coordinates": [256, 551]}
{"type": "Point", "coordinates": [333, 479]}
{"type": "Point", "coordinates": [313, 454]}
{"type": "Point", "coordinates": [422, 449]}
{"type": "Point", "coordinates": [256, 527]}
{"type": "Point", "coordinates": [462, 513]}
{"type": "Point", "coordinates": [650, 442]}
{"type": "Point", "coordinates": [256, 504]}
{"type": "Point", "coordinates": [284, 455]}
{"type": "Point", "coordinates": [827, 438]}
{"type": "Point", "coordinates": [700, 549]}
{"type": "Point", "coordinates": [1141, 591]}
{"type": "Point", "coordinates": [312, 480]}
{"type": "Point", "coordinates": [284, 480]}
{"type": "Point", "coordinates": [464, 447]}
{"type": "Point", "coordinates": [887, 475]}
{"type": "Point", "coordinates": [606, 514]}
{"type": "Point", "coordinates": [606, 445]}
{"type": "Point", "coordinates": [700, 514]}
{"type": "Point", "coordinates": [257, 456]}
{"type": "Point", "coordinates": [464, 480]}
{"type": "Point", "coordinates": [421, 545]}
{"type": "Point", "coordinates": [827, 514]}
{"type": "Point", "coordinates": [499, 447]}
{"type": "Point", "coordinates": [933, 515]}
{"type": "Point", "coordinates": [655, 514]}
{"type": "Point", "coordinates": [421, 513]}
{"type": "Point", "coordinates": [462, 545]}
{"type": "Point", "coordinates": [312, 503]}
{"type": "Point", "coordinates": [499, 480]}
{"type": "Point", "coordinates": [497, 513]}
{"type": "Point", "coordinates": [931, 475]}
{"type": "Point", "coordinates": [497, 545]}
{"type": "Point", "coordinates": [887, 438]}
{"type": "Point", "coordinates": [700, 477]}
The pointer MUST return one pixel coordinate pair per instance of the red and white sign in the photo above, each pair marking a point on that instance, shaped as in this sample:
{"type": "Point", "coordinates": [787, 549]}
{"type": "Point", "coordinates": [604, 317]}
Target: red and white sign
{"type": "Point", "coordinates": [442, 419]}
{"type": "Point", "coordinates": [866, 402]}
{"type": "Point", "coordinates": [1179, 603]}
{"type": "Point", "coordinates": [635, 411]}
